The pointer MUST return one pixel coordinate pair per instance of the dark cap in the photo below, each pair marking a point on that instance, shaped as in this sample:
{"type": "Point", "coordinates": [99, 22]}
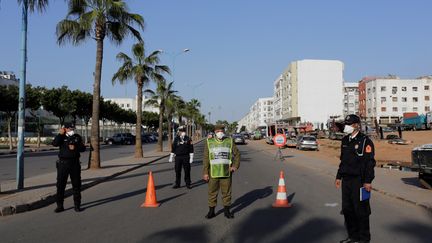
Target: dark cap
{"type": "Point", "coordinates": [351, 119]}
{"type": "Point", "coordinates": [69, 125]}
{"type": "Point", "coordinates": [219, 127]}
{"type": "Point", "coordinates": [182, 129]}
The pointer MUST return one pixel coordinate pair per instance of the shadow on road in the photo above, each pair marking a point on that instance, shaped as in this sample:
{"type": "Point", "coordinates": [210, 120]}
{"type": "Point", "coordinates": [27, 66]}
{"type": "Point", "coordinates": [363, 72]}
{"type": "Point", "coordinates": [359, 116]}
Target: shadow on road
{"type": "Point", "coordinates": [250, 197]}
{"type": "Point", "coordinates": [120, 197]}
{"type": "Point", "coordinates": [422, 233]}
{"type": "Point", "coordinates": [413, 181]}
{"type": "Point", "coordinates": [181, 234]}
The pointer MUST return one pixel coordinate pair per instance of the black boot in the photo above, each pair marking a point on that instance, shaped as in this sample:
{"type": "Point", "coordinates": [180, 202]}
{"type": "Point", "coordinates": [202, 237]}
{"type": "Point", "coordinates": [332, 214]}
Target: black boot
{"type": "Point", "coordinates": [227, 213]}
{"type": "Point", "coordinates": [77, 208]}
{"type": "Point", "coordinates": [211, 213]}
{"type": "Point", "coordinates": [59, 208]}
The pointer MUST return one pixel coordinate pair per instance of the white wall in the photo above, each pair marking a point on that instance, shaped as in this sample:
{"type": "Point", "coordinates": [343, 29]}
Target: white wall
{"type": "Point", "coordinates": [320, 90]}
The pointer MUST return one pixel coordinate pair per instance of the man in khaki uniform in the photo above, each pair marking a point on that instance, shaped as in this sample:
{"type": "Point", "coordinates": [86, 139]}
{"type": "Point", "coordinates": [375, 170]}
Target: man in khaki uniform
{"type": "Point", "coordinates": [221, 159]}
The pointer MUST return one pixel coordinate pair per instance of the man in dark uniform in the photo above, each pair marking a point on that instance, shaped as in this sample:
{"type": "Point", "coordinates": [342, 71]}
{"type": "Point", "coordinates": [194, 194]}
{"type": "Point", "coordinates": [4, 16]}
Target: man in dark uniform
{"type": "Point", "coordinates": [71, 145]}
{"type": "Point", "coordinates": [183, 151]}
{"type": "Point", "coordinates": [356, 170]}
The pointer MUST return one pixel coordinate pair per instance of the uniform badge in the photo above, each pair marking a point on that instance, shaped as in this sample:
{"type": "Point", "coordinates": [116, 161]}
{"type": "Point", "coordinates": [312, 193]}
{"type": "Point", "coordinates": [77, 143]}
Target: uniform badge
{"type": "Point", "coordinates": [368, 149]}
{"type": "Point", "coordinates": [356, 146]}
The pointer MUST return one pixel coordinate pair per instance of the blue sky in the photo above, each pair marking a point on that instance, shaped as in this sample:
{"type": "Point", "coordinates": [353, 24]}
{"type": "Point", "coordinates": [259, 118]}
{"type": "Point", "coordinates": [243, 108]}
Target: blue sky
{"type": "Point", "coordinates": [238, 47]}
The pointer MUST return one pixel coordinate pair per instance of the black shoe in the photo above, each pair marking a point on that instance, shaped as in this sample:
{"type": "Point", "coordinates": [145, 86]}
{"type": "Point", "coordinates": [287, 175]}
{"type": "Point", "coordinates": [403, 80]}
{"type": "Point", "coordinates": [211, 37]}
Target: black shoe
{"type": "Point", "coordinates": [189, 186]}
{"type": "Point", "coordinates": [348, 240]}
{"type": "Point", "coordinates": [211, 213]}
{"type": "Point", "coordinates": [176, 186]}
{"type": "Point", "coordinates": [77, 209]}
{"type": "Point", "coordinates": [59, 209]}
{"type": "Point", "coordinates": [227, 213]}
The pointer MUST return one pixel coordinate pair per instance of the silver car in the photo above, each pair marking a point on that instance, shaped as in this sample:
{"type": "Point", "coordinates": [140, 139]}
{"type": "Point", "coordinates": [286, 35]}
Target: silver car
{"type": "Point", "coordinates": [238, 139]}
{"type": "Point", "coordinates": [307, 142]}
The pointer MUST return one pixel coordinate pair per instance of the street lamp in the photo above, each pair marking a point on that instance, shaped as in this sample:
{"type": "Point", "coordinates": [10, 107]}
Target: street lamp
{"type": "Point", "coordinates": [174, 55]}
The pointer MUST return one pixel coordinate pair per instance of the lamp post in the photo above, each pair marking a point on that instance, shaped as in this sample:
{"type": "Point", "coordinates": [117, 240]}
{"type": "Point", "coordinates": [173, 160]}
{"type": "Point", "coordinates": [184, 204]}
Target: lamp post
{"type": "Point", "coordinates": [174, 55]}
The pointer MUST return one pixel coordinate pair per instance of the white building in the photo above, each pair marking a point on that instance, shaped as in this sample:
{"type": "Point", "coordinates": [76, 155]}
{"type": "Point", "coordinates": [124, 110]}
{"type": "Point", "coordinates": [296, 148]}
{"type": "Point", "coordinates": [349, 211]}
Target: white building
{"type": "Point", "coordinates": [8, 78]}
{"type": "Point", "coordinates": [314, 91]}
{"type": "Point", "coordinates": [277, 98]}
{"type": "Point", "coordinates": [260, 113]}
{"type": "Point", "coordinates": [131, 104]}
{"type": "Point", "coordinates": [388, 98]}
{"type": "Point", "coordinates": [351, 99]}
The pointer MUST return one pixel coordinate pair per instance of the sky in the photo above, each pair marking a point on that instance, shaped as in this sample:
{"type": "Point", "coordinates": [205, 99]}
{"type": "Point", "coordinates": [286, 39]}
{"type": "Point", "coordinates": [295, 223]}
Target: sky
{"type": "Point", "coordinates": [237, 47]}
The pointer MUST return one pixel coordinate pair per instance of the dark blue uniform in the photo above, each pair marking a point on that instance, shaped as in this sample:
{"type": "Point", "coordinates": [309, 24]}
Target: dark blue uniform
{"type": "Point", "coordinates": [182, 148]}
{"type": "Point", "coordinates": [356, 168]}
{"type": "Point", "coordinates": [67, 165]}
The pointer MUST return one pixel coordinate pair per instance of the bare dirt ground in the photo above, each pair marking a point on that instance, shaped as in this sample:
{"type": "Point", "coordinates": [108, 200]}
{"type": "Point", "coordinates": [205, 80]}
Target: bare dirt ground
{"type": "Point", "coordinates": [385, 153]}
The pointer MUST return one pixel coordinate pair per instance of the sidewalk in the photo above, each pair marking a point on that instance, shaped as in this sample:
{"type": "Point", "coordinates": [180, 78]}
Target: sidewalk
{"type": "Point", "coordinates": [402, 185]}
{"type": "Point", "coordinates": [39, 191]}
{"type": "Point", "coordinates": [28, 149]}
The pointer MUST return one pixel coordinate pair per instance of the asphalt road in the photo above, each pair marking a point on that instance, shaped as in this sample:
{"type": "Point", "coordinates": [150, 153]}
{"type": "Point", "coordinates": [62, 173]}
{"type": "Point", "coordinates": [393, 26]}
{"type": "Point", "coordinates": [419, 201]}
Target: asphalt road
{"type": "Point", "coordinates": [113, 214]}
{"type": "Point", "coordinates": [37, 163]}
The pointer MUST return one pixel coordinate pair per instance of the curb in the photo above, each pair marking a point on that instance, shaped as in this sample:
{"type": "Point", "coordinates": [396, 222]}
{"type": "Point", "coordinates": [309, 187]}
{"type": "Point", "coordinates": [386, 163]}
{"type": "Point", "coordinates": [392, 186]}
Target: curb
{"type": "Point", "coordinates": [50, 198]}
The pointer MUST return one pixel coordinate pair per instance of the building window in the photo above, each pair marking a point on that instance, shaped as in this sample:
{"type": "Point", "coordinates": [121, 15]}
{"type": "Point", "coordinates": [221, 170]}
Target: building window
{"type": "Point", "coordinates": [368, 91]}
{"type": "Point", "coordinates": [415, 109]}
{"type": "Point", "coordinates": [426, 87]}
{"type": "Point", "coordinates": [404, 99]}
{"type": "Point", "coordinates": [394, 99]}
{"type": "Point", "coordinates": [404, 109]}
{"type": "Point", "coordinates": [127, 105]}
{"type": "Point", "coordinates": [395, 109]}
{"type": "Point", "coordinates": [427, 108]}
{"type": "Point", "coordinates": [427, 97]}
{"type": "Point", "coordinates": [383, 88]}
{"type": "Point", "coordinates": [122, 105]}
{"type": "Point", "coordinates": [415, 99]}
{"type": "Point", "coordinates": [383, 109]}
{"type": "Point", "coordinates": [415, 88]}
{"type": "Point", "coordinates": [394, 90]}
{"type": "Point", "coordinates": [383, 100]}
{"type": "Point", "coordinates": [404, 89]}
{"type": "Point", "coordinates": [373, 90]}
{"type": "Point", "coordinates": [369, 110]}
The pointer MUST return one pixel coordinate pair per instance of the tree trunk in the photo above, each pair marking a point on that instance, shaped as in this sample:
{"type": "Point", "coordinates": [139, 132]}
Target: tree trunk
{"type": "Point", "coordinates": [170, 134]}
{"type": "Point", "coordinates": [9, 122]}
{"type": "Point", "coordinates": [95, 157]}
{"type": "Point", "coordinates": [86, 132]}
{"type": "Point", "coordinates": [138, 140]}
{"type": "Point", "coordinates": [160, 142]}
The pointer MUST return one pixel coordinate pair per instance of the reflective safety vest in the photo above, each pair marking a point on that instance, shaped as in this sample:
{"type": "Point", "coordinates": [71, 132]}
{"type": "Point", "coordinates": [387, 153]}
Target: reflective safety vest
{"type": "Point", "coordinates": [220, 155]}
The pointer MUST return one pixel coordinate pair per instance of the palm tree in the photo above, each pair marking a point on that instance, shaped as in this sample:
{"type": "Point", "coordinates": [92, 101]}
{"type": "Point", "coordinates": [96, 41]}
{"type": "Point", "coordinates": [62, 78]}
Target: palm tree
{"type": "Point", "coordinates": [96, 19]}
{"type": "Point", "coordinates": [172, 103]}
{"type": "Point", "coordinates": [192, 109]}
{"type": "Point", "coordinates": [159, 99]}
{"type": "Point", "coordinates": [142, 69]}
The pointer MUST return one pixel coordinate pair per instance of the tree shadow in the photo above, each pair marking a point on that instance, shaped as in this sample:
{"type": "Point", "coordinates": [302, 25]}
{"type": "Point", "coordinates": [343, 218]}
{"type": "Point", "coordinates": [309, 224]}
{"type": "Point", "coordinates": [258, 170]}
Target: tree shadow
{"type": "Point", "coordinates": [119, 197]}
{"type": "Point", "coordinates": [418, 231]}
{"type": "Point", "coordinates": [181, 234]}
{"type": "Point", "coordinates": [250, 197]}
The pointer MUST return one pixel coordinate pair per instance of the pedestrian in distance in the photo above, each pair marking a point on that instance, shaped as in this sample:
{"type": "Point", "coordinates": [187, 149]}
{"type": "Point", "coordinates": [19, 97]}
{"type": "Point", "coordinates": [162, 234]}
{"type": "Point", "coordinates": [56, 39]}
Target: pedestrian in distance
{"type": "Point", "coordinates": [183, 152]}
{"type": "Point", "coordinates": [356, 170]}
{"type": "Point", "coordinates": [221, 160]}
{"type": "Point", "coordinates": [70, 146]}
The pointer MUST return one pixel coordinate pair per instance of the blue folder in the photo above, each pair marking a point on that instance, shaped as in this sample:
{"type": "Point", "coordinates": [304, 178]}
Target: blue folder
{"type": "Point", "coordinates": [364, 195]}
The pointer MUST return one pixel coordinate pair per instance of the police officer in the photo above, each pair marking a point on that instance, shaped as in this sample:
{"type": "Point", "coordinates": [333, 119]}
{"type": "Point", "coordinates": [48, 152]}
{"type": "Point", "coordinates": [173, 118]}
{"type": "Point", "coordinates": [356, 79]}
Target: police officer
{"type": "Point", "coordinates": [68, 164]}
{"type": "Point", "coordinates": [183, 151]}
{"type": "Point", "coordinates": [356, 170]}
{"type": "Point", "coordinates": [221, 159]}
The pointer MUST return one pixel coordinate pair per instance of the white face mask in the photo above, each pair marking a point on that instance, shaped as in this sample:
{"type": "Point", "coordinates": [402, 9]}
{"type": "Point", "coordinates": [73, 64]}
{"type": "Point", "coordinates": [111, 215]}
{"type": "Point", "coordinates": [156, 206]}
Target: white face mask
{"type": "Point", "coordinates": [220, 135]}
{"type": "Point", "coordinates": [182, 134]}
{"type": "Point", "coordinates": [348, 129]}
{"type": "Point", "coordinates": [70, 133]}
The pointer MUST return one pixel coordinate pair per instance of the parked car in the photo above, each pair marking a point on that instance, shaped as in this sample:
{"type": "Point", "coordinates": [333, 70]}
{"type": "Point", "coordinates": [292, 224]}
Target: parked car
{"type": "Point", "coordinates": [269, 140]}
{"type": "Point", "coordinates": [422, 160]}
{"type": "Point", "coordinates": [121, 138]}
{"type": "Point", "coordinates": [307, 142]}
{"type": "Point", "coordinates": [245, 135]}
{"type": "Point", "coordinates": [291, 142]}
{"type": "Point", "coordinates": [257, 135]}
{"type": "Point", "coordinates": [238, 138]}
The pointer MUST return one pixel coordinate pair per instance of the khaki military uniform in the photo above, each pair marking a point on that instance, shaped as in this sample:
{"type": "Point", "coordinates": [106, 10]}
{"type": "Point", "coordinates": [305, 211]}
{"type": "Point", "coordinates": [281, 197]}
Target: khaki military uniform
{"type": "Point", "coordinates": [222, 183]}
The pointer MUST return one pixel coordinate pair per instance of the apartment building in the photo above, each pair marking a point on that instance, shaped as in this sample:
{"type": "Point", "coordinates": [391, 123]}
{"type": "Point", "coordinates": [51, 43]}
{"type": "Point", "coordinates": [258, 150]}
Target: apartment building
{"type": "Point", "coordinates": [351, 99]}
{"type": "Point", "coordinates": [386, 99]}
{"type": "Point", "coordinates": [8, 78]}
{"type": "Point", "coordinates": [260, 114]}
{"type": "Point", "coordinates": [131, 104]}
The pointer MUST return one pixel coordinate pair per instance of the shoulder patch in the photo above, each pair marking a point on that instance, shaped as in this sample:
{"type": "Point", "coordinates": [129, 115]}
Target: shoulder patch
{"type": "Point", "coordinates": [368, 149]}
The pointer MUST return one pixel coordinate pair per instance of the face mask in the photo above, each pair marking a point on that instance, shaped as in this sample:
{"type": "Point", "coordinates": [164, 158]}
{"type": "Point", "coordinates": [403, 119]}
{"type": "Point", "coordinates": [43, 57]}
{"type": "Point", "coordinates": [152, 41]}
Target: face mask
{"type": "Point", "coordinates": [220, 135]}
{"type": "Point", "coordinates": [70, 133]}
{"type": "Point", "coordinates": [182, 134]}
{"type": "Point", "coordinates": [348, 129]}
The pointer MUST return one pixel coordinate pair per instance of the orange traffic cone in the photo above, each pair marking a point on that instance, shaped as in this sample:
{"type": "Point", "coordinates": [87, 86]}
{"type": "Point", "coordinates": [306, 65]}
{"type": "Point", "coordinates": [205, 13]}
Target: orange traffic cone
{"type": "Point", "coordinates": [281, 197]}
{"type": "Point", "coordinates": [150, 200]}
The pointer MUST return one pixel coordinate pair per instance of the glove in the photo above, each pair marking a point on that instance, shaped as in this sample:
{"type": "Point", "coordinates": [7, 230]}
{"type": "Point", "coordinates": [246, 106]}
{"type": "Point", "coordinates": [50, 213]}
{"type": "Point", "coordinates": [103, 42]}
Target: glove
{"type": "Point", "coordinates": [171, 157]}
{"type": "Point", "coordinates": [191, 158]}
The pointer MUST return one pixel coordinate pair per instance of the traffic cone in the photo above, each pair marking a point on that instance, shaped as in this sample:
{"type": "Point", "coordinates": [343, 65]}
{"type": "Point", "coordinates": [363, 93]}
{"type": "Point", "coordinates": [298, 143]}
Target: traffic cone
{"type": "Point", "coordinates": [150, 200]}
{"type": "Point", "coordinates": [281, 197]}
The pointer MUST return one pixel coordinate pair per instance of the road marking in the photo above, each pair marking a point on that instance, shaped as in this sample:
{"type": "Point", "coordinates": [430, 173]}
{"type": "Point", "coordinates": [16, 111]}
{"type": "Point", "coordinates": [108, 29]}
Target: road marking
{"type": "Point", "coordinates": [332, 205]}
